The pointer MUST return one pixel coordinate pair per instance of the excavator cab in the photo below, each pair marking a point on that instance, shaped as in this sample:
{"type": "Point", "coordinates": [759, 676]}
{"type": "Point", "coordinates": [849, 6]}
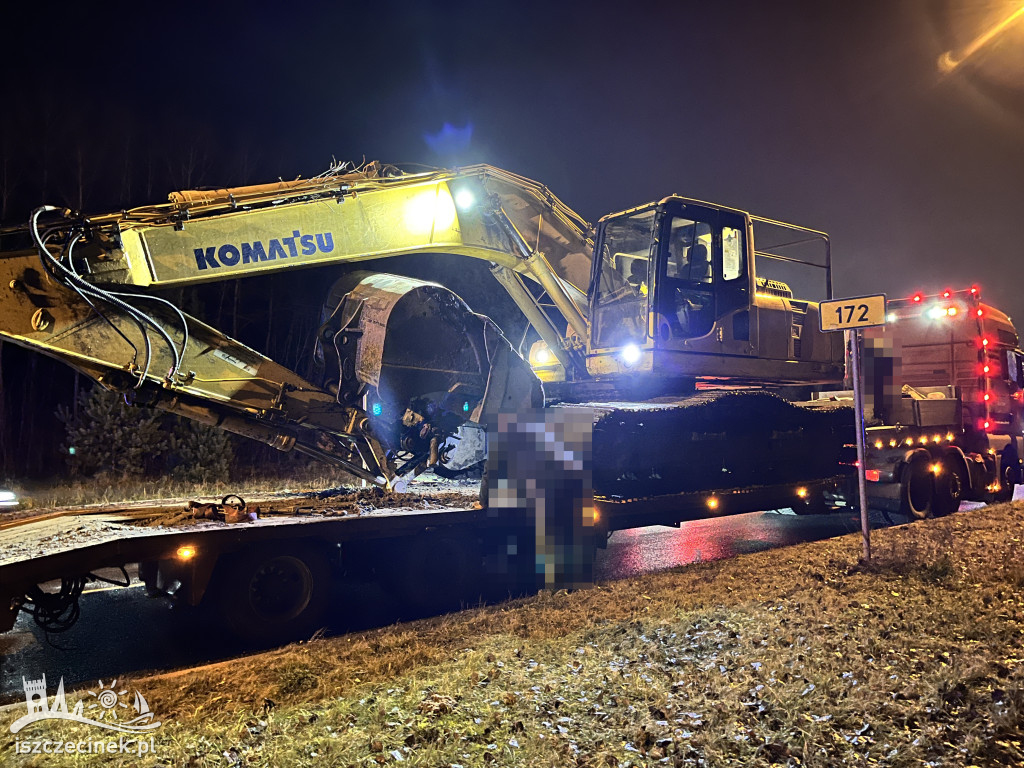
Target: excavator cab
{"type": "Point", "coordinates": [675, 295]}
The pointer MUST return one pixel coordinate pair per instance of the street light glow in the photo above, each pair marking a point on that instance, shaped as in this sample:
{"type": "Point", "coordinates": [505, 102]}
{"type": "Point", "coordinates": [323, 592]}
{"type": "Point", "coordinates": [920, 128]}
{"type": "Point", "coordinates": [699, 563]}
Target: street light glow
{"type": "Point", "coordinates": [950, 60]}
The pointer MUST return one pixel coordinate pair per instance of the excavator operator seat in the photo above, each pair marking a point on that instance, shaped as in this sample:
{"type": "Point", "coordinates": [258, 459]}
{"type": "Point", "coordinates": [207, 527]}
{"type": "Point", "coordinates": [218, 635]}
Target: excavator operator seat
{"type": "Point", "coordinates": [700, 264]}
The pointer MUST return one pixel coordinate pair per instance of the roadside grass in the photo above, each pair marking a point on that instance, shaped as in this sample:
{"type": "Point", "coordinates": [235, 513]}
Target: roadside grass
{"type": "Point", "coordinates": [796, 656]}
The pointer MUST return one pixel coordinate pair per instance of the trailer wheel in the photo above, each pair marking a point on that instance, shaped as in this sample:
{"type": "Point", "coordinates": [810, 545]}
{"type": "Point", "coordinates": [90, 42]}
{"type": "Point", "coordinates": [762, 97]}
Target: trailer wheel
{"type": "Point", "coordinates": [950, 483]}
{"type": "Point", "coordinates": [917, 487]}
{"type": "Point", "coordinates": [438, 572]}
{"type": "Point", "coordinates": [273, 595]}
{"type": "Point", "coordinates": [1008, 470]}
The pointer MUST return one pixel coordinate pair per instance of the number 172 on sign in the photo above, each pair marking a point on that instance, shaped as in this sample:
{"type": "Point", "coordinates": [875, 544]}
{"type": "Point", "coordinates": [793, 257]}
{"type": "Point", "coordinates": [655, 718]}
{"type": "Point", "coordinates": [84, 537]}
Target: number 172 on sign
{"type": "Point", "coordinates": [858, 312]}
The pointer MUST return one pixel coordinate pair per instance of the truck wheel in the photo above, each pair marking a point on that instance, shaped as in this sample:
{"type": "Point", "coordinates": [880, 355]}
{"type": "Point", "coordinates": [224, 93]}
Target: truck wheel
{"type": "Point", "coordinates": [950, 483]}
{"type": "Point", "coordinates": [273, 595]}
{"type": "Point", "coordinates": [917, 486]}
{"type": "Point", "coordinates": [1008, 469]}
{"type": "Point", "coordinates": [438, 573]}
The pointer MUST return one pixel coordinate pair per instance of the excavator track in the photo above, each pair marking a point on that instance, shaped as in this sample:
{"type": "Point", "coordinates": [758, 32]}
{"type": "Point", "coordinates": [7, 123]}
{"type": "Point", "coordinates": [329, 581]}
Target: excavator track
{"type": "Point", "coordinates": [711, 440]}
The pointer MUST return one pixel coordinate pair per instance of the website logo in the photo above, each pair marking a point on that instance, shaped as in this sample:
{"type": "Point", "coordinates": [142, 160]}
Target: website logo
{"type": "Point", "coordinates": [106, 707]}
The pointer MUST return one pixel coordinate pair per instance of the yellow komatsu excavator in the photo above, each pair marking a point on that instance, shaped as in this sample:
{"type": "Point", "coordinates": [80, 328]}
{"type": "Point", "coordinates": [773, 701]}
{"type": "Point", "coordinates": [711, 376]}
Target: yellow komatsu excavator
{"type": "Point", "coordinates": [662, 300]}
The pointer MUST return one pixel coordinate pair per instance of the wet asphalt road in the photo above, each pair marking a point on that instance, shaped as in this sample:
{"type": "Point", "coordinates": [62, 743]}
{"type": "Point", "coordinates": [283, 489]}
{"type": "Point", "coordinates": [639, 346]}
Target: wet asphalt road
{"type": "Point", "coordinates": [122, 631]}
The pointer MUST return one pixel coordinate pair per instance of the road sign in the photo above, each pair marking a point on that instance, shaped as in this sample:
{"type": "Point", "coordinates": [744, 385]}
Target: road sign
{"type": "Point", "coordinates": [858, 312]}
{"type": "Point", "coordinates": [851, 315]}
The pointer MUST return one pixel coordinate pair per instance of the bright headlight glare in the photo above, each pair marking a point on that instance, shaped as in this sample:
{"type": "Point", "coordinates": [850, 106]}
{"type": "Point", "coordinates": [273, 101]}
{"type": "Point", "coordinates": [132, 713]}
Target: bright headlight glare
{"type": "Point", "coordinates": [630, 354]}
{"type": "Point", "coordinates": [432, 210]}
{"type": "Point", "coordinates": [464, 199]}
{"type": "Point", "coordinates": [7, 496]}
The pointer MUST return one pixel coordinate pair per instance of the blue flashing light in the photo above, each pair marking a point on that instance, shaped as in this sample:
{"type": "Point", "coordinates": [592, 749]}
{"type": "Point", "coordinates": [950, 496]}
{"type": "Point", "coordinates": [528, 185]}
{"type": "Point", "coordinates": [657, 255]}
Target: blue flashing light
{"type": "Point", "coordinates": [377, 409]}
{"type": "Point", "coordinates": [465, 407]}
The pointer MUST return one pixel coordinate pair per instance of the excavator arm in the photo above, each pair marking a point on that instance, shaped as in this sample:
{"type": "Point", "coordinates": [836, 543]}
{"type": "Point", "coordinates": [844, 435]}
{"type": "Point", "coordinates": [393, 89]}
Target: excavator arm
{"type": "Point", "coordinates": [86, 294]}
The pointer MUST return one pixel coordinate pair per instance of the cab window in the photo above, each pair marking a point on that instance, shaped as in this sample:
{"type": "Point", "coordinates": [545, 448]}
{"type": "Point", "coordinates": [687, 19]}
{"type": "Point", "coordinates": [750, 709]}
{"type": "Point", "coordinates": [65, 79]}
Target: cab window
{"type": "Point", "coordinates": [624, 280]}
{"type": "Point", "coordinates": [732, 254]}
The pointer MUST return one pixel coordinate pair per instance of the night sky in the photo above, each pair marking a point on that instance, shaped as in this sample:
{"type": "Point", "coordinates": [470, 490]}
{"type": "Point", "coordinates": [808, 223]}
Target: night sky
{"type": "Point", "coordinates": [829, 114]}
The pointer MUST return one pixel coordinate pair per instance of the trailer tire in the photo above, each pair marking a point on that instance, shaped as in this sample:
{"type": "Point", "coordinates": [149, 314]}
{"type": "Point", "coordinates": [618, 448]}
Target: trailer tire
{"type": "Point", "coordinates": [950, 484]}
{"type": "Point", "coordinates": [917, 487]}
{"type": "Point", "coordinates": [273, 595]}
{"type": "Point", "coordinates": [1008, 471]}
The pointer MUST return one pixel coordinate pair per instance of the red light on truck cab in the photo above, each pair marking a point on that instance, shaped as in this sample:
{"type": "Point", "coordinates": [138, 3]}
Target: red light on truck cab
{"type": "Point", "coordinates": [980, 313]}
{"type": "Point", "coordinates": [917, 298]}
{"type": "Point", "coordinates": [873, 475]}
{"type": "Point", "coordinates": [974, 290]}
{"type": "Point", "coordinates": [984, 341]}
{"type": "Point", "coordinates": [986, 368]}
{"type": "Point", "coordinates": [946, 293]}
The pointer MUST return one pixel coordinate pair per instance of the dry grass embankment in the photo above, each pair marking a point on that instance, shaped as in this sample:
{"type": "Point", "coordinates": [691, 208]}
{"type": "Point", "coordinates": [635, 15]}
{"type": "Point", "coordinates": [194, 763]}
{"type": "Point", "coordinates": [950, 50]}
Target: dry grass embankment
{"type": "Point", "coordinates": [796, 656]}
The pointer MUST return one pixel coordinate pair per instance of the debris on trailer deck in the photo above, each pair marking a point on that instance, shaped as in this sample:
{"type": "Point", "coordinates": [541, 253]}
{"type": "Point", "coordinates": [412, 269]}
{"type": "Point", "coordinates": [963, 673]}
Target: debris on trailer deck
{"type": "Point", "coordinates": [232, 509]}
{"type": "Point", "coordinates": [336, 501]}
{"type": "Point", "coordinates": [27, 538]}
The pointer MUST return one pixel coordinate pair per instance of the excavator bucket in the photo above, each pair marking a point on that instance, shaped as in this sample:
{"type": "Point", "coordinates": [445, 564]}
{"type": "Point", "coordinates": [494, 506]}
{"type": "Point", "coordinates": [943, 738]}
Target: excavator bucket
{"type": "Point", "coordinates": [419, 361]}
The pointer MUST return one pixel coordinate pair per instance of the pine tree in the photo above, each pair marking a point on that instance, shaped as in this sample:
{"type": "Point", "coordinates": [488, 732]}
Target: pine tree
{"type": "Point", "coordinates": [112, 437]}
{"type": "Point", "coordinates": [198, 453]}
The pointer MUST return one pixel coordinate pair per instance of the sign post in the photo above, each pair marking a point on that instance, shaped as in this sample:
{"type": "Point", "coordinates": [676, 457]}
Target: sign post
{"type": "Point", "coordinates": [850, 315]}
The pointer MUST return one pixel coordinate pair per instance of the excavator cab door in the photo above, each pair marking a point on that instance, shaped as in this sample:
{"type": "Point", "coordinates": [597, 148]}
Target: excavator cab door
{"type": "Point", "coordinates": [702, 285]}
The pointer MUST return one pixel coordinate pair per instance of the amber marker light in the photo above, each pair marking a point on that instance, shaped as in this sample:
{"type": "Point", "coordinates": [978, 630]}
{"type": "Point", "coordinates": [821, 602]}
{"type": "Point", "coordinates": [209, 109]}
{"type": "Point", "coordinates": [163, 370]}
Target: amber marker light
{"type": "Point", "coordinates": [712, 502]}
{"type": "Point", "coordinates": [936, 468]}
{"type": "Point", "coordinates": [878, 443]}
{"type": "Point", "coordinates": [186, 552]}
{"type": "Point", "coordinates": [801, 492]}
